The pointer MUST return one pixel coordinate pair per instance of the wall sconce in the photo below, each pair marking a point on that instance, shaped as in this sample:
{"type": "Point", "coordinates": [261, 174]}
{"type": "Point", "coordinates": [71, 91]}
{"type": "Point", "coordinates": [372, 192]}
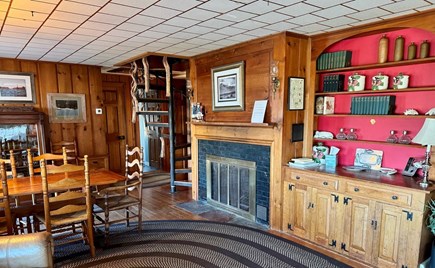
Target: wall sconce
{"type": "Point", "coordinates": [274, 76]}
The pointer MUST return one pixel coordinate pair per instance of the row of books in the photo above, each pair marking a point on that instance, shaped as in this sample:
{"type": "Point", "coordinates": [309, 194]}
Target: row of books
{"type": "Point", "coordinates": [333, 83]}
{"type": "Point", "coordinates": [373, 105]}
{"type": "Point", "coordinates": [332, 60]}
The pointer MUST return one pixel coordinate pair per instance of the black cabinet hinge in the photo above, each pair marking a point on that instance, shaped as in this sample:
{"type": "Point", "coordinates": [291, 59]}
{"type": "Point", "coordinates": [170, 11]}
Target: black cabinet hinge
{"type": "Point", "coordinates": [374, 224]}
{"type": "Point", "coordinates": [333, 243]}
{"type": "Point", "coordinates": [289, 226]}
{"type": "Point", "coordinates": [409, 215]}
{"type": "Point", "coordinates": [290, 187]}
{"type": "Point", "coordinates": [343, 247]}
{"type": "Point", "coordinates": [346, 200]}
{"type": "Point", "coordinates": [335, 198]}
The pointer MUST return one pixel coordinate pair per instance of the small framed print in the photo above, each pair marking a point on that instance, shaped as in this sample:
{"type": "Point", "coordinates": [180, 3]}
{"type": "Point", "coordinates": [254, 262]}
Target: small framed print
{"type": "Point", "coordinates": [296, 93]}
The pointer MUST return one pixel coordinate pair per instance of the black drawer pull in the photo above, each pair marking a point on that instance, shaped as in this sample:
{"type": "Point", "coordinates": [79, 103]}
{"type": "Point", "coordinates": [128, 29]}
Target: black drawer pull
{"type": "Point", "coordinates": [297, 177]}
{"type": "Point", "coordinates": [325, 183]}
{"type": "Point", "coordinates": [356, 189]}
{"type": "Point", "coordinates": [394, 197]}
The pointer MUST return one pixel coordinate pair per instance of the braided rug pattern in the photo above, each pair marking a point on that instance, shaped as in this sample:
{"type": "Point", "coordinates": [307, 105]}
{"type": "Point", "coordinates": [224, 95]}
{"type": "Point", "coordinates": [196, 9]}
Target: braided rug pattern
{"type": "Point", "coordinates": [198, 244]}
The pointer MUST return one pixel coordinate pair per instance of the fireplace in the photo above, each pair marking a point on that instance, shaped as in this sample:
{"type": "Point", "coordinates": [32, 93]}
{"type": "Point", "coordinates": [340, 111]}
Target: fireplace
{"type": "Point", "coordinates": [231, 184]}
{"type": "Point", "coordinates": [249, 164]}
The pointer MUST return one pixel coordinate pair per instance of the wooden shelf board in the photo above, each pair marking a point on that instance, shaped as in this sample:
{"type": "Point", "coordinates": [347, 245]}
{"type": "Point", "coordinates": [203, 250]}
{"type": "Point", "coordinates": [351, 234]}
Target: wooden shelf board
{"type": "Point", "coordinates": [377, 142]}
{"type": "Point", "coordinates": [369, 91]}
{"type": "Point", "coordinates": [376, 115]}
{"type": "Point", "coordinates": [234, 124]}
{"type": "Point", "coordinates": [378, 65]}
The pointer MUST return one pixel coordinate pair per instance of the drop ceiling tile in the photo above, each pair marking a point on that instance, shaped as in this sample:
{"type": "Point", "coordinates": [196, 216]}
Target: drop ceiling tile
{"type": "Point", "coordinates": [230, 31]}
{"type": "Point", "coordinates": [68, 46]}
{"type": "Point", "coordinates": [306, 19]}
{"type": "Point", "coordinates": [61, 24]}
{"type": "Point", "coordinates": [184, 35]}
{"type": "Point", "coordinates": [90, 32]}
{"type": "Point", "coordinates": [369, 14]}
{"type": "Point", "coordinates": [272, 17]}
{"type": "Point", "coordinates": [17, 34]}
{"type": "Point", "coordinates": [11, 49]}
{"type": "Point", "coordinates": [27, 15]}
{"type": "Point", "coordinates": [101, 44]}
{"type": "Point", "coordinates": [23, 23]}
{"type": "Point", "coordinates": [99, 3]}
{"type": "Point", "coordinates": [121, 33]}
{"type": "Point", "coordinates": [198, 41]}
{"type": "Point", "coordinates": [334, 12]}
{"type": "Point", "coordinates": [367, 4]}
{"type": "Point", "coordinates": [55, 2]}
{"type": "Point", "coordinates": [405, 5]}
{"type": "Point", "coordinates": [170, 50]}
{"type": "Point", "coordinates": [52, 58]}
{"type": "Point", "coordinates": [199, 14]}
{"type": "Point", "coordinates": [138, 41]}
{"type": "Point", "coordinates": [160, 12]}
{"type": "Point", "coordinates": [282, 26]}
{"type": "Point", "coordinates": [184, 46]}
{"type": "Point", "coordinates": [33, 50]}
{"type": "Point", "coordinates": [28, 56]}
{"type": "Point", "coordinates": [113, 39]}
{"type": "Point", "coordinates": [260, 7]}
{"type": "Point", "coordinates": [241, 37]}
{"type": "Point", "coordinates": [225, 42]}
{"type": "Point", "coordinates": [298, 9]}
{"type": "Point", "coordinates": [33, 6]}
{"type": "Point", "coordinates": [403, 13]}
{"type": "Point", "coordinates": [339, 21]}
{"type": "Point", "coordinates": [312, 28]}
{"type": "Point", "coordinates": [79, 37]}
{"type": "Point", "coordinates": [285, 2]}
{"type": "Point", "coordinates": [109, 19]}
{"type": "Point", "coordinates": [214, 23]}
{"type": "Point", "coordinates": [52, 30]}
{"type": "Point", "coordinates": [212, 46]}
{"type": "Point", "coordinates": [166, 28]}
{"type": "Point", "coordinates": [6, 54]}
{"type": "Point", "coordinates": [220, 6]}
{"type": "Point", "coordinates": [249, 24]}
{"type": "Point", "coordinates": [145, 20]}
{"type": "Point", "coordinates": [260, 32]}
{"type": "Point", "coordinates": [181, 22]}
{"type": "Point", "coordinates": [213, 36]}
{"type": "Point", "coordinates": [68, 16]}
{"type": "Point", "coordinates": [119, 10]}
{"type": "Point", "coordinates": [187, 4]}
{"type": "Point", "coordinates": [93, 25]}
{"type": "Point", "coordinates": [137, 28]}
{"type": "Point", "coordinates": [5, 40]}
{"type": "Point", "coordinates": [77, 8]}
{"type": "Point", "coordinates": [366, 21]}
{"type": "Point", "coordinates": [326, 4]}
{"type": "Point", "coordinates": [135, 3]}
{"type": "Point", "coordinates": [18, 29]}
{"type": "Point", "coordinates": [153, 34]}
{"type": "Point", "coordinates": [44, 41]}
{"type": "Point", "coordinates": [171, 40]}
{"type": "Point", "coordinates": [236, 16]}
{"type": "Point", "coordinates": [425, 8]}
{"type": "Point", "coordinates": [39, 45]}
{"type": "Point", "coordinates": [4, 6]}
{"type": "Point", "coordinates": [49, 36]}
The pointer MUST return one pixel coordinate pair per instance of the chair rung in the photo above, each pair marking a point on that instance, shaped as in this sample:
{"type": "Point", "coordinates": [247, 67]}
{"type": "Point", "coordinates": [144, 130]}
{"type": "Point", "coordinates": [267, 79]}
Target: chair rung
{"type": "Point", "coordinates": [183, 183]}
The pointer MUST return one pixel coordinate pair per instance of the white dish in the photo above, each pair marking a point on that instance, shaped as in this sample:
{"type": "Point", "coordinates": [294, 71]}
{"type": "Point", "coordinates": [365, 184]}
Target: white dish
{"type": "Point", "coordinates": [354, 168]}
{"type": "Point", "coordinates": [389, 171]}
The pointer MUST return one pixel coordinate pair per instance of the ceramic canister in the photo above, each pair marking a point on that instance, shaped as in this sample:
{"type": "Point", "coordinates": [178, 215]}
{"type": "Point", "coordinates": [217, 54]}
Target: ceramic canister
{"type": "Point", "coordinates": [400, 81]}
{"type": "Point", "coordinates": [379, 82]}
{"type": "Point", "coordinates": [356, 82]}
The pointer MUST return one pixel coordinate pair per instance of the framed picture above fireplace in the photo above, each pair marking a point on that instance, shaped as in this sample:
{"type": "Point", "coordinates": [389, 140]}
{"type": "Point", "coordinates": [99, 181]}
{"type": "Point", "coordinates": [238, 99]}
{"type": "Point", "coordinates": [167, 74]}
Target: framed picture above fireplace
{"type": "Point", "coordinates": [228, 85]}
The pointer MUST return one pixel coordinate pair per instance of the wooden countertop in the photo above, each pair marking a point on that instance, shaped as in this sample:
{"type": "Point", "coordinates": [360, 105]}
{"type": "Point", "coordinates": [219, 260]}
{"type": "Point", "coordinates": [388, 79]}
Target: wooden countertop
{"type": "Point", "coordinates": [373, 176]}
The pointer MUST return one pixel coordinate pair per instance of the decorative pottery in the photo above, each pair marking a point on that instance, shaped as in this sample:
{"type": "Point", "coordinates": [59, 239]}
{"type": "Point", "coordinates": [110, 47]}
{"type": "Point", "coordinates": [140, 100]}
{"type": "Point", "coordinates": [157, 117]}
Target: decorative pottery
{"type": "Point", "coordinates": [410, 112]}
{"type": "Point", "coordinates": [431, 112]}
{"type": "Point", "coordinates": [398, 48]}
{"type": "Point", "coordinates": [356, 82]}
{"type": "Point", "coordinates": [319, 105]}
{"type": "Point", "coordinates": [319, 152]}
{"type": "Point", "coordinates": [383, 49]}
{"type": "Point", "coordinates": [424, 49]}
{"type": "Point", "coordinates": [400, 81]}
{"type": "Point", "coordinates": [412, 51]}
{"type": "Point", "coordinates": [379, 82]}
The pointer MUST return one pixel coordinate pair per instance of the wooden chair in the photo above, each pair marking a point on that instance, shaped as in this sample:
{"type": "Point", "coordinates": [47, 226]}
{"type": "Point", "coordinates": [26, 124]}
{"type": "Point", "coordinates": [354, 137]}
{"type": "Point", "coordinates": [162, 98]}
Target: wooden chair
{"type": "Point", "coordinates": [5, 211]}
{"type": "Point", "coordinates": [11, 161]}
{"type": "Point", "coordinates": [123, 197]}
{"type": "Point", "coordinates": [71, 205]}
{"type": "Point", "coordinates": [71, 150]}
{"type": "Point", "coordinates": [53, 158]}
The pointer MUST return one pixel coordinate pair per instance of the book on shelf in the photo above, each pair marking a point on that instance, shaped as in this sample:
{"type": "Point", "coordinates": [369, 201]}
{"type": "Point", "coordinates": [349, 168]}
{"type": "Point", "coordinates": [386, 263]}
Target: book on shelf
{"type": "Point", "coordinates": [328, 105]}
{"type": "Point", "coordinates": [375, 105]}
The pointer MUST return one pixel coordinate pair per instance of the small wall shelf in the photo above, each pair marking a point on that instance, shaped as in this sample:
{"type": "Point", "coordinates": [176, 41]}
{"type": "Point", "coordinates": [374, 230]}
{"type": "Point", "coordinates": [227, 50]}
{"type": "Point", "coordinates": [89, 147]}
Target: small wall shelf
{"type": "Point", "coordinates": [369, 91]}
{"type": "Point", "coordinates": [371, 141]}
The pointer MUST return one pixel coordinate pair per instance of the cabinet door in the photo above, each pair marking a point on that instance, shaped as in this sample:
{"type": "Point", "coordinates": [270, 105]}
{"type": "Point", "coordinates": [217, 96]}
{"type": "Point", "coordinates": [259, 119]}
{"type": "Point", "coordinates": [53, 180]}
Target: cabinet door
{"type": "Point", "coordinates": [296, 207]}
{"type": "Point", "coordinates": [390, 236]}
{"type": "Point", "coordinates": [326, 220]}
{"type": "Point", "coordinates": [358, 227]}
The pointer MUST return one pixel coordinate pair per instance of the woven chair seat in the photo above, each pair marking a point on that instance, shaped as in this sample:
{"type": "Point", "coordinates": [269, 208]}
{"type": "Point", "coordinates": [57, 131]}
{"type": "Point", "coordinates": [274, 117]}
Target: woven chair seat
{"type": "Point", "coordinates": [64, 219]}
{"type": "Point", "coordinates": [118, 202]}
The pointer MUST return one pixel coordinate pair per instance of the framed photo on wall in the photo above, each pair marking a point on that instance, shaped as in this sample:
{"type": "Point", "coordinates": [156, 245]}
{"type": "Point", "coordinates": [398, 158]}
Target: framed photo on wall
{"type": "Point", "coordinates": [66, 108]}
{"type": "Point", "coordinates": [17, 87]}
{"type": "Point", "coordinates": [296, 93]}
{"type": "Point", "coordinates": [228, 87]}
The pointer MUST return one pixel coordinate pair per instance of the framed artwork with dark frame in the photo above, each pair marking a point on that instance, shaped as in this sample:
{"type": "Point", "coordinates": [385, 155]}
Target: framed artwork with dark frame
{"type": "Point", "coordinates": [296, 93]}
{"type": "Point", "coordinates": [17, 87]}
{"type": "Point", "coordinates": [228, 87]}
{"type": "Point", "coordinates": [66, 108]}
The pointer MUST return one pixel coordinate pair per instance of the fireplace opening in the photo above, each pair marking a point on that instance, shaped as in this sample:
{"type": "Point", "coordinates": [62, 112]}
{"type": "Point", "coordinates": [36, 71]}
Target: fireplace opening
{"type": "Point", "coordinates": [231, 185]}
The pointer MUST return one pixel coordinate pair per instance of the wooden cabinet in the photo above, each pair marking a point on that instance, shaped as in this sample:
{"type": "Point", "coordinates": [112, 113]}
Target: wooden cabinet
{"type": "Point", "coordinates": [364, 220]}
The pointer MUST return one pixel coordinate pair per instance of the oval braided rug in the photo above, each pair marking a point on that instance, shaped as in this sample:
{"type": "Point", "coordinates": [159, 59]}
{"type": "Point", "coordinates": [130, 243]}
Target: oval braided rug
{"type": "Point", "coordinates": [198, 244]}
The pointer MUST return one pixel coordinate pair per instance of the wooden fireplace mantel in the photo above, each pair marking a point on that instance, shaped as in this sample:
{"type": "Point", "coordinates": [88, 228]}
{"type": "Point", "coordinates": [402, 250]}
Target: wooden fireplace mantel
{"type": "Point", "coordinates": [234, 124]}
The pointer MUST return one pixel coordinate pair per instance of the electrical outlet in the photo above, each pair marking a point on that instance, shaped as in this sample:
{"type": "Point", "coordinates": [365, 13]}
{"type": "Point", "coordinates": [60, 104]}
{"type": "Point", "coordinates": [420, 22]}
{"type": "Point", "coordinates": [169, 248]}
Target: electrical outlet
{"type": "Point", "coordinates": [99, 111]}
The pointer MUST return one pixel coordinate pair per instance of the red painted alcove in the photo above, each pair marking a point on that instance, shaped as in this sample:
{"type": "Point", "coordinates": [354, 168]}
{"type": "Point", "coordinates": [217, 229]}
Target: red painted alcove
{"type": "Point", "coordinates": [376, 128]}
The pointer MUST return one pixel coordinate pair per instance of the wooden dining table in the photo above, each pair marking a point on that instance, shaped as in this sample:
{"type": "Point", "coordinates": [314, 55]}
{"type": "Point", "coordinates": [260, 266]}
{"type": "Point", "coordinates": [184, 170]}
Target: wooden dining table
{"type": "Point", "coordinates": [33, 185]}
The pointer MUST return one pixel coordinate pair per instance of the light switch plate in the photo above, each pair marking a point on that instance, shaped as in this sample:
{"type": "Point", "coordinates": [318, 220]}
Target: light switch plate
{"type": "Point", "coordinates": [99, 111]}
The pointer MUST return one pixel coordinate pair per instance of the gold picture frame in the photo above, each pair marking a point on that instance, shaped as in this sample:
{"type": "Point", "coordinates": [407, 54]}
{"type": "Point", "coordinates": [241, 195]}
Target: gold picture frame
{"type": "Point", "coordinates": [66, 108]}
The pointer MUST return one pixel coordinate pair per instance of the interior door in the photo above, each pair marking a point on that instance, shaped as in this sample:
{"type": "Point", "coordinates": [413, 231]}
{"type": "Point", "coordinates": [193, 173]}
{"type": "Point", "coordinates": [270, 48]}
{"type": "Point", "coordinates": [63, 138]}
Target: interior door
{"type": "Point", "coordinates": [116, 128]}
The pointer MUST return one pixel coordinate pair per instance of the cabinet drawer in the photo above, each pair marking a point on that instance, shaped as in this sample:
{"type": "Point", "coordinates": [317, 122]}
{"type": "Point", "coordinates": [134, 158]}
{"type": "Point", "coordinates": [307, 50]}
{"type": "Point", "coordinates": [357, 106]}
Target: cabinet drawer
{"type": "Point", "coordinates": [313, 180]}
{"type": "Point", "coordinates": [385, 195]}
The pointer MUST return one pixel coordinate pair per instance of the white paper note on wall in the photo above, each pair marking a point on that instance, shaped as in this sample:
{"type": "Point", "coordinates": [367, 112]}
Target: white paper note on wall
{"type": "Point", "coordinates": [259, 111]}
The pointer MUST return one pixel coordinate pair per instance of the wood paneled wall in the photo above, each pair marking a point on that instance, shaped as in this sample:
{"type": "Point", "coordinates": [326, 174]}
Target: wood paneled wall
{"type": "Point", "coordinates": [67, 78]}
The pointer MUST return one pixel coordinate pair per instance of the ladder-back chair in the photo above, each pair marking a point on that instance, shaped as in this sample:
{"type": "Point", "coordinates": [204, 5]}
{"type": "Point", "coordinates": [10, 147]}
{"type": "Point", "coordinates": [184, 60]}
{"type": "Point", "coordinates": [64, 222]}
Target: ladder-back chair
{"type": "Point", "coordinates": [126, 197]}
{"type": "Point", "coordinates": [71, 205]}
{"type": "Point", "coordinates": [70, 149]}
{"type": "Point", "coordinates": [52, 158]}
{"type": "Point", "coordinates": [5, 211]}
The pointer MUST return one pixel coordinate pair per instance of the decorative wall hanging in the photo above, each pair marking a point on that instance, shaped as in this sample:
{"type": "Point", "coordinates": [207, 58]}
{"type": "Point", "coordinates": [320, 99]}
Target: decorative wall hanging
{"type": "Point", "coordinates": [228, 87]}
{"type": "Point", "coordinates": [296, 93]}
{"type": "Point", "coordinates": [66, 108]}
{"type": "Point", "coordinates": [17, 87]}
